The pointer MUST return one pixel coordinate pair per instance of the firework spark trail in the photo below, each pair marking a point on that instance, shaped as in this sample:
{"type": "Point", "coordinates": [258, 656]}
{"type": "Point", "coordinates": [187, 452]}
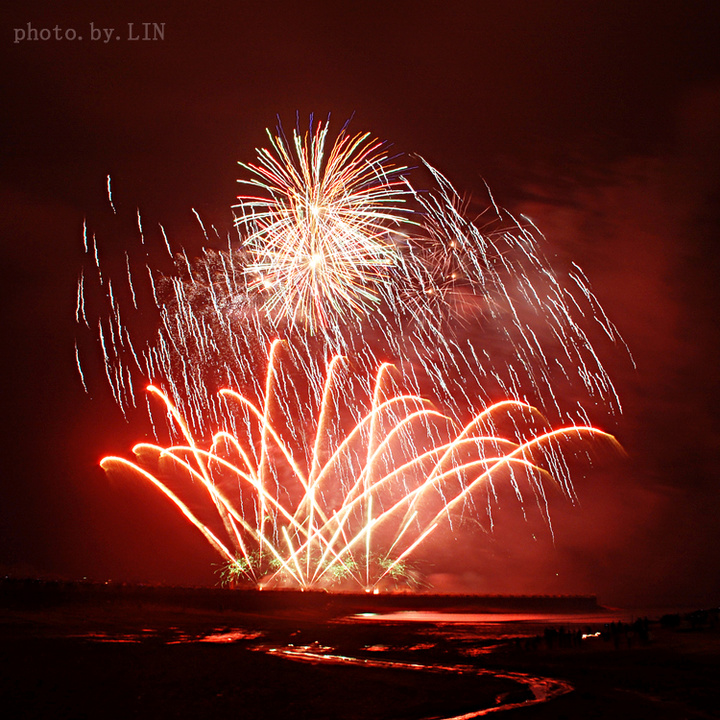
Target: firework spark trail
{"type": "Point", "coordinates": [110, 197]}
{"type": "Point", "coordinates": [130, 282]}
{"type": "Point", "coordinates": [80, 305]}
{"type": "Point", "coordinates": [80, 370]}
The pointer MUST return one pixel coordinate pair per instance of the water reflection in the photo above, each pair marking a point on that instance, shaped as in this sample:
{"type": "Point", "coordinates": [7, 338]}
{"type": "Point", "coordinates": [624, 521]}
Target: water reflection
{"type": "Point", "coordinates": [452, 643]}
{"type": "Point", "coordinates": [542, 689]}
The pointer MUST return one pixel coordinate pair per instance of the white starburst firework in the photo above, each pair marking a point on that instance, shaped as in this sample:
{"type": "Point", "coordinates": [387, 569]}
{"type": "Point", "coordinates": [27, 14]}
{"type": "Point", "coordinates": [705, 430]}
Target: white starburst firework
{"type": "Point", "coordinates": [323, 233]}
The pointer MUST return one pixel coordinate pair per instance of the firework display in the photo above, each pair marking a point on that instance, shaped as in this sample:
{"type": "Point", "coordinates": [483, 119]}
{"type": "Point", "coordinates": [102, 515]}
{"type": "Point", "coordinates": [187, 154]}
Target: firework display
{"type": "Point", "coordinates": [301, 471]}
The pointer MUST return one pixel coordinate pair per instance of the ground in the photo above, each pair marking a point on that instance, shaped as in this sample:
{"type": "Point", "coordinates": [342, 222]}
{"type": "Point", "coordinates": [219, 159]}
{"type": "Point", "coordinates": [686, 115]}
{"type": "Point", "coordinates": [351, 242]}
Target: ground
{"type": "Point", "coordinates": [55, 665]}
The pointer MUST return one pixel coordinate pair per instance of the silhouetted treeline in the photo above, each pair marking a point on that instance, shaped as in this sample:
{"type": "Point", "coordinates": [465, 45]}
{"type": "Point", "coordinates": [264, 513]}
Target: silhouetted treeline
{"type": "Point", "coordinates": [31, 593]}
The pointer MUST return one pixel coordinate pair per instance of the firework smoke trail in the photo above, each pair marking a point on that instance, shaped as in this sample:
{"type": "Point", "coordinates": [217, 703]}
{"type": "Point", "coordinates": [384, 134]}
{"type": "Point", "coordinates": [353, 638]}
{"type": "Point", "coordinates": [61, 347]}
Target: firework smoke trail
{"type": "Point", "coordinates": [339, 254]}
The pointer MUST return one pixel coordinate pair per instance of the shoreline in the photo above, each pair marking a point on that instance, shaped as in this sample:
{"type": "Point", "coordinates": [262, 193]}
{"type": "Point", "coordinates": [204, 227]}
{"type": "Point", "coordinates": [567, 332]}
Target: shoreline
{"type": "Point", "coordinates": [45, 594]}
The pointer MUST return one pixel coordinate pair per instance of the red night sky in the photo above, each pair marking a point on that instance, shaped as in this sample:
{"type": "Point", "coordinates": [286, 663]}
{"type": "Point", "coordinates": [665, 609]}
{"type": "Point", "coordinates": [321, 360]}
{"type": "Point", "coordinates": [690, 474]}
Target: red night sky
{"type": "Point", "coordinates": [599, 120]}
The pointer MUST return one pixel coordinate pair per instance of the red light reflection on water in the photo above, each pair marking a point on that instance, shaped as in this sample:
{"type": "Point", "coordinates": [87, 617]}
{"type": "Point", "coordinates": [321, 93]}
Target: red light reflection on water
{"type": "Point", "coordinates": [230, 636]}
{"type": "Point", "coordinates": [429, 616]}
{"type": "Point", "coordinates": [542, 688]}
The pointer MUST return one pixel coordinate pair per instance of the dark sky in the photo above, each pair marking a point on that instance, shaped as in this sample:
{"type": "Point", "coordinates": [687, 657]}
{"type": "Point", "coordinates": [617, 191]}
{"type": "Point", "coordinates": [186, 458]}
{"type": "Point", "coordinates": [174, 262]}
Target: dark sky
{"type": "Point", "coordinates": [599, 120]}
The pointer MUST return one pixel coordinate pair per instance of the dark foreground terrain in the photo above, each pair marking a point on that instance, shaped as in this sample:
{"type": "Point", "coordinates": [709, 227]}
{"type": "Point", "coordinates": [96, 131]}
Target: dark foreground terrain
{"type": "Point", "coordinates": [146, 660]}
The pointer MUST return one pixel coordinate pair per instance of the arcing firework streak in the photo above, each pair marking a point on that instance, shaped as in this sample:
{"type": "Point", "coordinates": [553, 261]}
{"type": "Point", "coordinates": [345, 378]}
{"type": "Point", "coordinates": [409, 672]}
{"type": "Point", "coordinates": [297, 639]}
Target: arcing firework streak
{"type": "Point", "coordinates": [365, 500]}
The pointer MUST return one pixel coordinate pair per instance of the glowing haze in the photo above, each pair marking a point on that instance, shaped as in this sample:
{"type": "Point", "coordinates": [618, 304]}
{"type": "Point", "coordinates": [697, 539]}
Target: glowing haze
{"type": "Point", "coordinates": [297, 467]}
